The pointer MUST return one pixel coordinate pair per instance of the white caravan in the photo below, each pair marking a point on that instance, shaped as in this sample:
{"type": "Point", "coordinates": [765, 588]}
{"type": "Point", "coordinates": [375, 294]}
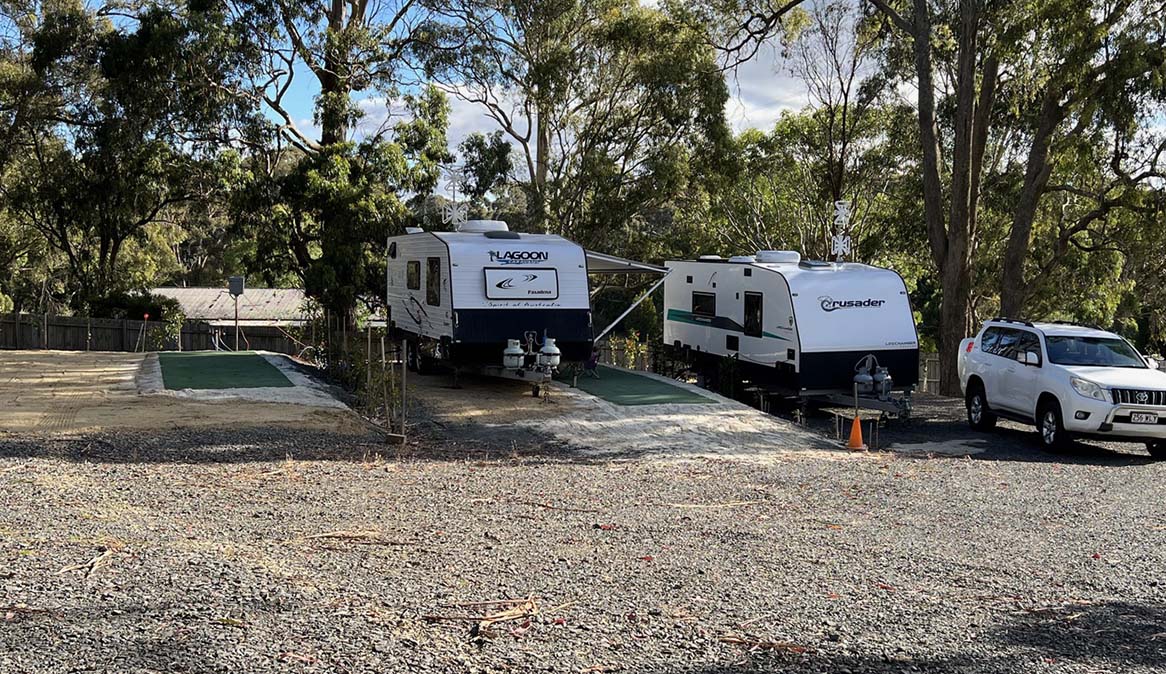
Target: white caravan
{"type": "Point", "coordinates": [489, 298]}
{"type": "Point", "coordinates": [805, 328]}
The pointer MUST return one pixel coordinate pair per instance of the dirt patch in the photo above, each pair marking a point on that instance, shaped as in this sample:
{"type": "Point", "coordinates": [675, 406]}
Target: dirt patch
{"type": "Point", "coordinates": [72, 392]}
{"type": "Point", "coordinates": [499, 414]}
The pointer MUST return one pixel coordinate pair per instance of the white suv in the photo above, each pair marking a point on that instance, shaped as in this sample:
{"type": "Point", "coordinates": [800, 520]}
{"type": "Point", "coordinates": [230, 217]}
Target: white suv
{"type": "Point", "coordinates": [1068, 380]}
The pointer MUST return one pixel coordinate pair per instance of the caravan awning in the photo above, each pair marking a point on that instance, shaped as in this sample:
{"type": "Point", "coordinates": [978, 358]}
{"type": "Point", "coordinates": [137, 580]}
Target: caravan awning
{"type": "Point", "coordinates": [601, 263]}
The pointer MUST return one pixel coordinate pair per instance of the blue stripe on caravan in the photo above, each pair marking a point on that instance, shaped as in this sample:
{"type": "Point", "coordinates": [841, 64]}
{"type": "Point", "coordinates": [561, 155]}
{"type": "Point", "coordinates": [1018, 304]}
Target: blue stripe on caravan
{"type": "Point", "coordinates": [719, 322]}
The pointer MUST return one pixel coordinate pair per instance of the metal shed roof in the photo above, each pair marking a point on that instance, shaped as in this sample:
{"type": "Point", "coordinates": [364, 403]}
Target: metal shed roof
{"type": "Point", "coordinates": [256, 304]}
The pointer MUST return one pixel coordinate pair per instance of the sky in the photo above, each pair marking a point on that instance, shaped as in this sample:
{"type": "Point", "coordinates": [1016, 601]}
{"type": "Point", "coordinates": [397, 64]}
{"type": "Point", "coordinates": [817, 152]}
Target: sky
{"type": "Point", "coordinates": [759, 91]}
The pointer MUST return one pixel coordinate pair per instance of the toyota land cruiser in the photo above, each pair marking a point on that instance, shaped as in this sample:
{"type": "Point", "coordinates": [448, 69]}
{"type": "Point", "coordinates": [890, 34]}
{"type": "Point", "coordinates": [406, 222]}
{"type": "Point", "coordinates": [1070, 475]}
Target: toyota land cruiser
{"type": "Point", "coordinates": [1068, 380]}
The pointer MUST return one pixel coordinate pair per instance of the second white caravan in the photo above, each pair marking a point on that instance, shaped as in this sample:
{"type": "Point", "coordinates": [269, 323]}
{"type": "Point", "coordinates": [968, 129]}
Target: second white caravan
{"type": "Point", "coordinates": [802, 327]}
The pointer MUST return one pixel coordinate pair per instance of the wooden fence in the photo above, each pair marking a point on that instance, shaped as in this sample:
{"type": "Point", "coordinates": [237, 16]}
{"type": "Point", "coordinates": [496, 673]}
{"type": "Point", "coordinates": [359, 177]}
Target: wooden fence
{"type": "Point", "coordinates": [73, 333]}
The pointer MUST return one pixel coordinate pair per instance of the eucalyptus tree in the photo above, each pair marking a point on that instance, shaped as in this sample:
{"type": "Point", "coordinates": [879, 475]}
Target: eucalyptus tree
{"type": "Point", "coordinates": [1088, 88]}
{"type": "Point", "coordinates": [334, 187]}
{"type": "Point", "coordinates": [487, 167]}
{"type": "Point", "coordinates": [107, 131]}
{"type": "Point", "coordinates": [846, 145]}
{"type": "Point", "coordinates": [611, 106]}
{"type": "Point", "coordinates": [988, 75]}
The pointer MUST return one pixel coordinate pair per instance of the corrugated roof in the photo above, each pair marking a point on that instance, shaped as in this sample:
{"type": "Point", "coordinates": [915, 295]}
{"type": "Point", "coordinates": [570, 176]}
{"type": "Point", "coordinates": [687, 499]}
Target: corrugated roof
{"type": "Point", "coordinates": [255, 304]}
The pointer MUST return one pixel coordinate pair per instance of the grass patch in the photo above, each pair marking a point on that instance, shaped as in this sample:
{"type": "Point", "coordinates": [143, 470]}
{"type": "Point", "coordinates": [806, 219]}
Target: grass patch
{"type": "Point", "coordinates": [623, 387]}
{"type": "Point", "coordinates": [217, 370]}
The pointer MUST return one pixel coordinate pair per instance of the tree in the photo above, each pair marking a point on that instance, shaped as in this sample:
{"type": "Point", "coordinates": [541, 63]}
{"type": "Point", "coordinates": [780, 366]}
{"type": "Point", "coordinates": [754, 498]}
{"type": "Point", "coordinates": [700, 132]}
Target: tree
{"type": "Point", "coordinates": [117, 141]}
{"type": "Point", "coordinates": [330, 200]}
{"type": "Point", "coordinates": [955, 52]}
{"type": "Point", "coordinates": [844, 146]}
{"type": "Point", "coordinates": [350, 48]}
{"type": "Point", "coordinates": [782, 197]}
{"type": "Point", "coordinates": [322, 218]}
{"type": "Point", "coordinates": [1099, 73]}
{"type": "Point", "coordinates": [606, 103]}
{"type": "Point", "coordinates": [486, 166]}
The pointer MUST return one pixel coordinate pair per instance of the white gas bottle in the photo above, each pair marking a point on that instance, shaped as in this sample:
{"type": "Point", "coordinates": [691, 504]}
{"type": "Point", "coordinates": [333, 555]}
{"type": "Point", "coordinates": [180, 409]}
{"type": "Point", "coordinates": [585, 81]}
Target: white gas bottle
{"type": "Point", "coordinates": [512, 355]}
{"type": "Point", "coordinates": [549, 355]}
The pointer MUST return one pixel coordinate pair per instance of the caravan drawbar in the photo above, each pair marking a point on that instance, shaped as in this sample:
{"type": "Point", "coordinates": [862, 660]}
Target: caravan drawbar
{"type": "Point", "coordinates": [804, 328]}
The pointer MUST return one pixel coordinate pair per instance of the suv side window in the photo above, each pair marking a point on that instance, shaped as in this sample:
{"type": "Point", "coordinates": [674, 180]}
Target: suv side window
{"type": "Point", "coordinates": [1009, 344]}
{"type": "Point", "coordinates": [990, 340]}
{"type": "Point", "coordinates": [1029, 342]}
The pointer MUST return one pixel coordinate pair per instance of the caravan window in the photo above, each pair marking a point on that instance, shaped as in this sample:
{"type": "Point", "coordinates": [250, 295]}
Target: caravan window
{"type": "Point", "coordinates": [704, 304]}
{"type": "Point", "coordinates": [413, 275]}
{"type": "Point", "coordinates": [753, 318]}
{"type": "Point", "coordinates": [433, 282]}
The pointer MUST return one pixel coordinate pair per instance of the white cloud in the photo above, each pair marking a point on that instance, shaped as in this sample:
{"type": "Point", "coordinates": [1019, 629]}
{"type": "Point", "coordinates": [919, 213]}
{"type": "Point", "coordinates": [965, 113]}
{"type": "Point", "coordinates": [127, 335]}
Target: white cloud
{"type": "Point", "coordinates": [760, 90]}
{"type": "Point", "coordinates": [466, 118]}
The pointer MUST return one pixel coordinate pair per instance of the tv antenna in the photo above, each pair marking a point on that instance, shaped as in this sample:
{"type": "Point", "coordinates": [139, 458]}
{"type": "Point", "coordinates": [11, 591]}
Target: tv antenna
{"type": "Point", "coordinates": [842, 244]}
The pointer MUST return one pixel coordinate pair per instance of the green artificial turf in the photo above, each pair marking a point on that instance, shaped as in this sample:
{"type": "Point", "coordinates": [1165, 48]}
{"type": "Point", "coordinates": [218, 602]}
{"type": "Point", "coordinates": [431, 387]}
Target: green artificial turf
{"type": "Point", "coordinates": [624, 387]}
{"type": "Point", "coordinates": [218, 370]}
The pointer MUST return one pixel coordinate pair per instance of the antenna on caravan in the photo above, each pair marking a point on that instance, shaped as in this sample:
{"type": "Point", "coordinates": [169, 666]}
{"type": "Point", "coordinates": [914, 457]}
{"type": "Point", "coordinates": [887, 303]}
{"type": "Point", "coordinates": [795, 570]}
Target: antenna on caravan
{"type": "Point", "coordinates": [455, 213]}
{"type": "Point", "coordinates": [841, 245]}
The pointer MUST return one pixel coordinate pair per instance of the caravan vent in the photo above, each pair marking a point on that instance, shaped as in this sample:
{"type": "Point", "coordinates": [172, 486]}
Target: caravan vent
{"type": "Point", "coordinates": [483, 226]}
{"type": "Point", "coordinates": [744, 259]}
{"type": "Point", "coordinates": [710, 257]}
{"type": "Point", "coordinates": [779, 256]}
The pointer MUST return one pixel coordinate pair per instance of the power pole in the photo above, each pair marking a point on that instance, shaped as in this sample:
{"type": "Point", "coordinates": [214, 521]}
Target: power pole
{"type": "Point", "coordinates": [235, 285]}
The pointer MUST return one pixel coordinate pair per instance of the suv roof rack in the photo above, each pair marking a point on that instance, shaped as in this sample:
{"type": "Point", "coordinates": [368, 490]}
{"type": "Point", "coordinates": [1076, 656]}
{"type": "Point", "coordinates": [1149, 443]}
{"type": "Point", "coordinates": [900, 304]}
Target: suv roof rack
{"type": "Point", "coordinates": [1000, 319]}
{"type": "Point", "coordinates": [1077, 324]}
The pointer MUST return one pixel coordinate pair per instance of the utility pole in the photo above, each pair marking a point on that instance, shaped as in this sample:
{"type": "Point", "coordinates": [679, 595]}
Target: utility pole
{"type": "Point", "coordinates": [235, 285]}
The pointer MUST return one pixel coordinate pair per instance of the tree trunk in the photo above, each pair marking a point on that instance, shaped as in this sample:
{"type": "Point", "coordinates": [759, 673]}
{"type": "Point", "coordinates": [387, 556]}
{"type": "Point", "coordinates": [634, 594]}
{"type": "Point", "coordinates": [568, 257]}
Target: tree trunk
{"type": "Point", "coordinates": [952, 238]}
{"type": "Point", "coordinates": [1013, 286]}
{"type": "Point", "coordinates": [929, 135]}
{"type": "Point", "coordinates": [334, 92]}
{"type": "Point", "coordinates": [541, 159]}
{"type": "Point", "coordinates": [955, 317]}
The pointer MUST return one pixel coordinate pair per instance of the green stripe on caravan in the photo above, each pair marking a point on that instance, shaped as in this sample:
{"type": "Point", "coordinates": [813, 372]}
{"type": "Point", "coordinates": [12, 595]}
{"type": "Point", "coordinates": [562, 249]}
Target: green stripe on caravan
{"type": "Point", "coordinates": [718, 322]}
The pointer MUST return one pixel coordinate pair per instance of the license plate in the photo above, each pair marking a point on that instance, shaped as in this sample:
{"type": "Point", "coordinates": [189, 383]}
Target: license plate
{"type": "Point", "coordinates": [1143, 418]}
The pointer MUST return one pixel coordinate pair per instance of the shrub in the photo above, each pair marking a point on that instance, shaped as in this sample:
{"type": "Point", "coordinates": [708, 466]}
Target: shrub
{"type": "Point", "coordinates": [134, 306]}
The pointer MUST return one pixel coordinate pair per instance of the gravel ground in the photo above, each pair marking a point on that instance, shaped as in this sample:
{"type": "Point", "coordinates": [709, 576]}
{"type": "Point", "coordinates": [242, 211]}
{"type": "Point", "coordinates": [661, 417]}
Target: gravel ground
{"type": "Point", "coordinates": [939, 425]}
{"type": "Point", "coordinates": [193, 551]}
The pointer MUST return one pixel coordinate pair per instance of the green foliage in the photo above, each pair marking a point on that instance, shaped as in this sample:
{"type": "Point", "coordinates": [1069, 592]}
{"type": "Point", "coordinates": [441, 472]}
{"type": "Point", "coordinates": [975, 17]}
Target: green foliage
{"type": "Point", "coordinates": [156, 147]}
{"type": "Point", "coordinates": [121, 135]}
{"type": "Point", "coordinates": [324, 218]}
{"type": "Point", "coordinates": [615, 110]}
{"type": "Point", "coordinates": [487, 164]}
{"type": "Point", "coordinates": [134, 306]}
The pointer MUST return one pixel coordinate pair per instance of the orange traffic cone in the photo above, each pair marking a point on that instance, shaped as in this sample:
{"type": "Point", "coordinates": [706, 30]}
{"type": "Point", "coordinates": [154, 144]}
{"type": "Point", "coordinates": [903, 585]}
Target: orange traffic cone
{"type": "Point", "coordinates": [856, 442]}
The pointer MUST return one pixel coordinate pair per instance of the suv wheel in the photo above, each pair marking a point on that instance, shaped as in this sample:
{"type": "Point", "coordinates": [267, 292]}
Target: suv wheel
{"type": "Point", "coordinates": [1157, 449]}
{"type": "Point", "coordinates": [980, 416]}
{"type": "Point", "coordinates": [1050, 427]}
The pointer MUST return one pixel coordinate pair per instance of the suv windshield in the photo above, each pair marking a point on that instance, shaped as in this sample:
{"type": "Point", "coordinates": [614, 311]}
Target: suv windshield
{"type": "Point", "coordinates": [1093, 351]}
